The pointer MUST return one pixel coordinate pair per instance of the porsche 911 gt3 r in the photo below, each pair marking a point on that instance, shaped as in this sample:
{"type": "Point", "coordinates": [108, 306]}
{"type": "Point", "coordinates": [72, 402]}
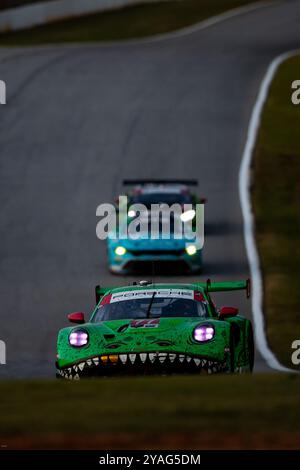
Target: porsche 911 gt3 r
{"type": "Point", "coordinates": [157, 329]}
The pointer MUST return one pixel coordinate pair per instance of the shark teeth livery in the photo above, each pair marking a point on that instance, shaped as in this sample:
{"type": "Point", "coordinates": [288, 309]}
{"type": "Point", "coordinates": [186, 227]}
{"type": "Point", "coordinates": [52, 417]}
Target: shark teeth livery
{"type": "Point", "coordinates": [134, 362]}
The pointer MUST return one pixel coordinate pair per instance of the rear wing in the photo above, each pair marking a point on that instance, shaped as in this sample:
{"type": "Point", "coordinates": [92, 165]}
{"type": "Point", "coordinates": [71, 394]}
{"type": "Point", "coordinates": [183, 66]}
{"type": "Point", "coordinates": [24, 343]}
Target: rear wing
{"type": "Point", "coordinates": [208, 286]}
{"type": "Point", "coordinates": [142, 182]}
{"type": "Point", "coordinates": [227, 286]}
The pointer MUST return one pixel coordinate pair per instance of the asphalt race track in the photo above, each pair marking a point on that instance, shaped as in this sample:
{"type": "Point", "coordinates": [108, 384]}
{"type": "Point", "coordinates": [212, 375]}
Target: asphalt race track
{"type": "Point", "coordinates": [79, 119]}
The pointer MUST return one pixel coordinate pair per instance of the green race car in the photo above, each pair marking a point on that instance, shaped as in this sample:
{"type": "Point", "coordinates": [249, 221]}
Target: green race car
{"type": "Point", "coordinates": [151, 328]}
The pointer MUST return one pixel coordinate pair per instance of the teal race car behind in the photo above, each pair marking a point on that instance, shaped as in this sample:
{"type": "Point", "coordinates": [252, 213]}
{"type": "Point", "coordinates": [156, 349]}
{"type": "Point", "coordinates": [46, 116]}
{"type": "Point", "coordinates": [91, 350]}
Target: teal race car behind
{"type": "Point", "coordinates": [147, 253]}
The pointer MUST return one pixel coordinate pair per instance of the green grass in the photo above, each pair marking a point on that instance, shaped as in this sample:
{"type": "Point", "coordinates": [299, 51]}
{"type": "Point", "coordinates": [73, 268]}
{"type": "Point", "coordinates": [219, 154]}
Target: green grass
{"type": "Point", "coordinates": [276, 198]}
{"type": "Point", "coordinates": [153, 406]}
{"type": "Point", "coordinates": [130, 22]}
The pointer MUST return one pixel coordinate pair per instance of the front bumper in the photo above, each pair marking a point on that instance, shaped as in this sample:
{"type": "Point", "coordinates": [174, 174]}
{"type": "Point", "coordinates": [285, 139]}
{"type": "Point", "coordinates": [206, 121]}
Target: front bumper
{"type": "Point", "coordinates": [142, 364]}
{"type": "Point", "coordinates": [134, 262]}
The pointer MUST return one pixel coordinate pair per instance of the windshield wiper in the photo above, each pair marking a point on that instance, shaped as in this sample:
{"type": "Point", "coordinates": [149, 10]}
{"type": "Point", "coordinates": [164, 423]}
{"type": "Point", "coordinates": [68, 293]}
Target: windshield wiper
{"type": "Point", "coordinates": [150, 305]}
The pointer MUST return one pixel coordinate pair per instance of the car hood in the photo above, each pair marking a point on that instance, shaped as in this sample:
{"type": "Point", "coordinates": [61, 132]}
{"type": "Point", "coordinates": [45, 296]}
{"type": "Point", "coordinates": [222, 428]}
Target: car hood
{"type": "Point", "coordinates": [136, 336]}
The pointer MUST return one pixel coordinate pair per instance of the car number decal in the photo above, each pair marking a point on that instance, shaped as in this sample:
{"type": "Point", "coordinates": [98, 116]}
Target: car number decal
{"type": "Point", "coordinates": [153, 323]}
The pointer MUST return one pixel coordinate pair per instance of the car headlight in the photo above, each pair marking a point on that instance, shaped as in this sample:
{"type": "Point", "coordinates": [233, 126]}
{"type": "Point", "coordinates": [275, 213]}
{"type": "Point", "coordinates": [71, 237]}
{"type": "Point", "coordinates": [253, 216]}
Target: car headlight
{"type": "Point", "coordinates": [120, 250]}
{"type": "Point", "coordinates": [191, 250]}
{"type": "Point", "coordinates": [203, 333]}
{"type": "Point", "coordinates": [188, 216]}
{"type": "Point", "coordinates": [78, 338]}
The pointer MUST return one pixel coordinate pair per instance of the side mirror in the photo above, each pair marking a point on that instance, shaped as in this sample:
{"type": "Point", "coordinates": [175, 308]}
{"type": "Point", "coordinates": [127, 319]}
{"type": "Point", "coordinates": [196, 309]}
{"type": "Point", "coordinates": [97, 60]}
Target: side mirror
{"type": "Point", "coordinates": [76, 317]}
{"type": "Point", "coordinates": [228, 312]}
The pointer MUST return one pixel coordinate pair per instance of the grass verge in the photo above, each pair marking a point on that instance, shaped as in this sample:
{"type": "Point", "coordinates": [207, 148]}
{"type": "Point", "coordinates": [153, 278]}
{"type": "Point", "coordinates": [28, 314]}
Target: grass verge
{"type": "Point", "coordinates": [155, 412]}
{"type": "Point", "coordinates": [130, 22]}
{"type": "Point", "coordinates": [276, 199]}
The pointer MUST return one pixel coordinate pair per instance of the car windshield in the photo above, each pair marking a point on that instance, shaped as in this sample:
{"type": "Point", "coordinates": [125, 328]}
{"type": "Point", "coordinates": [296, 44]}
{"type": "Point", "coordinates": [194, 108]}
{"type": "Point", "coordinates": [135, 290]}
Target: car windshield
{"type": "Point", "coordinates": [154, 306]}
{"type": "Point", "coordinates": [161, 198]}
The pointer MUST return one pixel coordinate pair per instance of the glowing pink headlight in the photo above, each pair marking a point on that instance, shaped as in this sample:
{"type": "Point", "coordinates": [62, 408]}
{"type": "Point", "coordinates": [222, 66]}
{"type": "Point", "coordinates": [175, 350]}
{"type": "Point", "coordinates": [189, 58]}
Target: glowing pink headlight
{"type": "Point", "coordinates": [78, 338]}
{"type": "Point", "coordinates": [204, 333]}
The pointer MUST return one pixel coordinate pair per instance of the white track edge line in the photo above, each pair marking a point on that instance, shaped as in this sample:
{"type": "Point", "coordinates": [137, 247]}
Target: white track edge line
{"type": "Point", "coordinates": [181, 32]}
{"type": "Point", "coordinates": [207, 23]}
{"type": "Point", "coordinates": [197, 27]}
{"type": "Point", "coordinates": [249, 225]}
